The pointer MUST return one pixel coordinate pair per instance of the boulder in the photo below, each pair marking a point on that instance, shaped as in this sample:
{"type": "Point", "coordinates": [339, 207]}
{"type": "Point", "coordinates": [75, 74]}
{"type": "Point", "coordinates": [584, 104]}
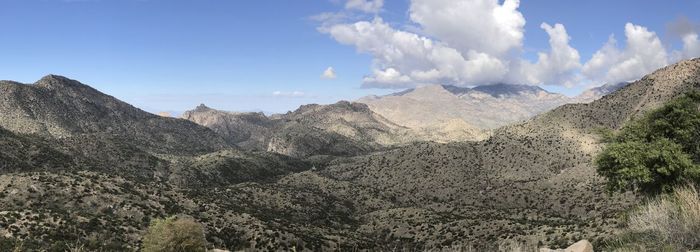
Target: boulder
{"type": "Point", "coordinates": [580, 246]}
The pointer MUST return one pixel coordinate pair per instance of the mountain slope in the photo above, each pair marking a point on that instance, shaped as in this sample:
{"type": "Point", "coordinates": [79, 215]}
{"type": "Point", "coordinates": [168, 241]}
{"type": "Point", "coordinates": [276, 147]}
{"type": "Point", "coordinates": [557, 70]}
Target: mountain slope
{"type": "Point", "coordinates": [247, 130]}
{"type": "Point", "coordinates": [25, 153]}
{"type": "Point", "coordinates": [340, 129]}
{"type": "Point", "coordinates": [59, 107]}
{"type": "Point", "coordinates": [482, 107]}
{"type": "Point", "coordinates": [538, 170]}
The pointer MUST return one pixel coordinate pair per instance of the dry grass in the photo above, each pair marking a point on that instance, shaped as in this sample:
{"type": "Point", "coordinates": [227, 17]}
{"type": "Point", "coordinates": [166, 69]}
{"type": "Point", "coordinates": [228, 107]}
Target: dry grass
{"type": "Point", "coordinates": [670, 222]}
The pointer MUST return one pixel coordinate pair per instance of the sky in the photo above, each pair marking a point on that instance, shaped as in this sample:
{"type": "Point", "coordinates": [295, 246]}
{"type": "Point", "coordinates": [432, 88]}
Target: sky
{"type": "Point", "coordinates": [274, 55]}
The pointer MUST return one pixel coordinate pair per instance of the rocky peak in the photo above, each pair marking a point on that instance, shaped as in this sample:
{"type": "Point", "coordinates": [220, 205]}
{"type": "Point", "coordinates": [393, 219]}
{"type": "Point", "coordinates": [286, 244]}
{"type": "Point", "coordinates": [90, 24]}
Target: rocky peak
{"type": "Point", "coordinates": [505, 90]}
{"type": "Point", "coordinates": [456, 90]}
{"type": "Point", "coordinates": [52, 81]}
{"type": "Point", "coordinates": [202, 108]}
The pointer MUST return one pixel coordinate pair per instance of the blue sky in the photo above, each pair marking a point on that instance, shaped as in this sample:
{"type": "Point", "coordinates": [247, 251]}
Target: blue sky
{"type": "Point", "coordinates": [262, 55]}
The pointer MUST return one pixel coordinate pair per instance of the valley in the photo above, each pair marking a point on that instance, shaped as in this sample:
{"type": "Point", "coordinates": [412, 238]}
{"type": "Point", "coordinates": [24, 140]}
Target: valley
{"type": "Point", "coordinates": [405, 171]}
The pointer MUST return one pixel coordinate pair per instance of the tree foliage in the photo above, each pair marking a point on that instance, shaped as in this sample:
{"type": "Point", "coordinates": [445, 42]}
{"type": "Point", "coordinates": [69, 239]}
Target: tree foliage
{"type": "Point", "coordinates": [174, 234]}
{"type": "Point", "coordinates": [656, 152]}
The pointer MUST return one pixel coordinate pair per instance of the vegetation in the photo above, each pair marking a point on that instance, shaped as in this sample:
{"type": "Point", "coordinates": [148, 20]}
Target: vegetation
{"type": "Point", "coordinates": [658, 155]}
{"type": "Point", "coordinates": [667, 223]}
{"type": "Point", "coordinates": [656, 152]}
{"type": "Point", "coordinates": [174, 234]}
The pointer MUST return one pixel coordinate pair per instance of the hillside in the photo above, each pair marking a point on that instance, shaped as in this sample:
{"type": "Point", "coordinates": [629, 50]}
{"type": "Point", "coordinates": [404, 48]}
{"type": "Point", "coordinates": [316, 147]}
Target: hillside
{"type": "Point", "coordinates": [533, 181]}
{"type": "Point", "coordinates": [59, 107]}
{"type": "Point", "coordinates": [246, 130]}
{"type": "Point", "coordinates": [541, 169]}
{"type": "Point", "coordinates": [340, 129]}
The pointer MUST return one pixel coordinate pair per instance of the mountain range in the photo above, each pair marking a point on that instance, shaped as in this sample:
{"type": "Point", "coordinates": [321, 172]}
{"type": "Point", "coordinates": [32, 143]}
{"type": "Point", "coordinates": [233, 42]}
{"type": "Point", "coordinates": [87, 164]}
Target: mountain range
{"type": "Point", "coordinates": [79, 167]}
{"type": "Point", "coordinates": [431, 113]}
{"type": "Point", "coordinates": [482, 107]}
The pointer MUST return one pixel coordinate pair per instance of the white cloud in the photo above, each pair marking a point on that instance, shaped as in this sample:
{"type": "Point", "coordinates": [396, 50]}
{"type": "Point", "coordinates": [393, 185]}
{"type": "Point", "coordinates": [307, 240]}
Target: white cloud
{"type": "Point", "coordinates": [369, 6]}
{"type": "Point", "coordinates": [478, 42]}
{"type": "Point", "coordinates": [293, 94]}
{"type": "Point", "coordinates": [558, 67]}
{"type": "Point", "coordinates": [472, 25]}
{"type": "Point", "coordinates": [329, 73]}
{"type": "Point", "coordinates": [472, 42]}
{"type": "Point", "coordinates": [406, 59]}
{"type": "Point", "coordinates": [691, 46]}
{"type": "Point", "coordinates": [687, 32]}
{"type": "Point", "coordinates": [642, 54]}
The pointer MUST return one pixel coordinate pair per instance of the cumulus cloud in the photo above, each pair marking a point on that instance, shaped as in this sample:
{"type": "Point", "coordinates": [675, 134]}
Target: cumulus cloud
{"type": "Point", "coordinates": [472, 25]}
{"type": "Point", "coordinates": [688, 32]}
{"type": "Point", "coordinates": [329, 73]}
{"type": "Point", "coordinates": [558, 66]}
{"type": "Point", "coordinates": [691, 46]}
{"type": "Point", "coordinates": [457, 42]}
{"type": "Point", "coordinates": [369, 6]}
{"type": "Point", "coordinates": [642, 54]}
{"type": "Point", "coordinates": [293, 94]}
{"type": "Point", "coordinates": [406, 59]}
{"type": "Point", "coordinates": [479, 42]}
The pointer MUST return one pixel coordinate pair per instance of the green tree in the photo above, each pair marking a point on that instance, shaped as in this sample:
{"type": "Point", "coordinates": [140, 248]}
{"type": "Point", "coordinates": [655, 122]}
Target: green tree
{"type": "Point", "coordinates": [656, 152]}
{"type": "Point", "coordinates": [174, 234]}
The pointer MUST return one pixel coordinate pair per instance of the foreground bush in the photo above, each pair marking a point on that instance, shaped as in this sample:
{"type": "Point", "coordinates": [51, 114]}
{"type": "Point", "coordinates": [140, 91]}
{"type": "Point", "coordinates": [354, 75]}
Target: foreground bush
{"type": "Point", "coordinates": [667, 223]}
{"type": "Point", "coordinates": [656, 152]}
{"type": "Point", "coordinates": [174, 234]}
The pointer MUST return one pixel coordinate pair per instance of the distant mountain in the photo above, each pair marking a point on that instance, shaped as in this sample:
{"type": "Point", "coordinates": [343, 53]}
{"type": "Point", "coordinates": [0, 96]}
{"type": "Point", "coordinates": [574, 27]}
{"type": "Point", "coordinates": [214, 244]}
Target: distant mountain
{"type": "Point", "coordinates": [509, 90]}
{"type": "Point", "coordinates": [341, 129]}
{"type": "Point", "coordinates": [598, 92]}
{"type": "Point", "coordinates": [59, 107]}
{"type": "Point", "coordinates": [482, 107]}
{"type": "Point", "coordinates": [246, 130]}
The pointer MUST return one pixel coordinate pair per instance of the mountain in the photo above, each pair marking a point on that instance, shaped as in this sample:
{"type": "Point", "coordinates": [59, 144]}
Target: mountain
{"type": "Point", "coordinates": [247, 130]}
{"type": "Point", "coordinates": [530, 181]}
{"type": "Point", "coordinates": [340, 129]}
{"type": "Point", "coordinates": [598, 92]}
{"type": "Point", "coordinates": [480, 108]}
{"type": "Point", "coordinates": [484, 107]}
{"type": "Point", "coordinates": [539, 170]}
{"type": "Point", "coordinates": [21, 153]}
{"type": "Point", "coordinates": [59, 107]}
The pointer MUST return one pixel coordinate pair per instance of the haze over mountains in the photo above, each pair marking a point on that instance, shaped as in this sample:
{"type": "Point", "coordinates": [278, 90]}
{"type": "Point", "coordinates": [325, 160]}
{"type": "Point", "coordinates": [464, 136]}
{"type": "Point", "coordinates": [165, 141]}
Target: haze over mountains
{"type": "Point", "coordinates": [431, 113]}
{"type": "Point", "coordinates": [80, 166]}
{"type": "Point", "coordinates": [483, 107]}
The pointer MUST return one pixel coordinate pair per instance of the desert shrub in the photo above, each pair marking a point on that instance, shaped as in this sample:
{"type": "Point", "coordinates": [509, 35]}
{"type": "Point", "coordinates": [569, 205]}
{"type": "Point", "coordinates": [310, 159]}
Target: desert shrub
{"type": "Point", "coordinates": [666, 223]}
{"type": "Point", "coordinates": [657, 152]}
{"type": "Point", "coordinates": [174, 234]}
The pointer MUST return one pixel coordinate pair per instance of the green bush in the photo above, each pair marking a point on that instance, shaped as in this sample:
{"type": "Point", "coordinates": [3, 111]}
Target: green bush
{"type": "Point", "coordinates": [174, 234]}
{"type": "Point", "coordinates": [656, 152]}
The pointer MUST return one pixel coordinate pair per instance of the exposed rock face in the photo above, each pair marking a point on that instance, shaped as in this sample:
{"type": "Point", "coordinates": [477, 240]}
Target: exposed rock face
{"type": "Point", "coordinates": [247, 130]}
{"type": "Point", "coordinates": [59, 107]}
